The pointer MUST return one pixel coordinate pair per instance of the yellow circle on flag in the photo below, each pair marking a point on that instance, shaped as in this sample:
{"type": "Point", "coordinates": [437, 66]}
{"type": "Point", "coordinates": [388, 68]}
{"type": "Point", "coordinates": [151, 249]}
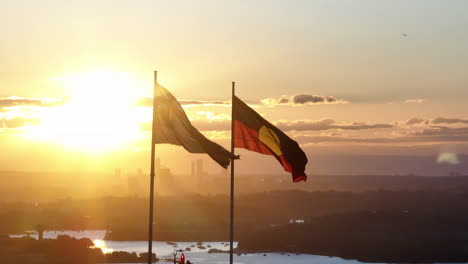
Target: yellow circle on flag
{"type": "Point", "coordinates": [270, 139]}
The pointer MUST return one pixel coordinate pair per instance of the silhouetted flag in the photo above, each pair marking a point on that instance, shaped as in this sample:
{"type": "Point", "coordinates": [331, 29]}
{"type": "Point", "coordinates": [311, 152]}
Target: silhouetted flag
{"type": "Point", "coordinates": [173, 127]}
{"type": "Point", "coordinates": [253, 132]}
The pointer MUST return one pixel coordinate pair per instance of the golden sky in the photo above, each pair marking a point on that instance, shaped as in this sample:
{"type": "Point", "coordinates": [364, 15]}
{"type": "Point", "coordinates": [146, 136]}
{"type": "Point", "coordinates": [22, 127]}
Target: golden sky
{"type": "Point", "coordinates": [340, 77]}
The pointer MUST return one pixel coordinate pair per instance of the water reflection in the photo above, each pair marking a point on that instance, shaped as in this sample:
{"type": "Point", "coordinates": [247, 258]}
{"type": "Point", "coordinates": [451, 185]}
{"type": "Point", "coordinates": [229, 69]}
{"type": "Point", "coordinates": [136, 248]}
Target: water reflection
{"type": "Point", "coordinates": [98, 243]}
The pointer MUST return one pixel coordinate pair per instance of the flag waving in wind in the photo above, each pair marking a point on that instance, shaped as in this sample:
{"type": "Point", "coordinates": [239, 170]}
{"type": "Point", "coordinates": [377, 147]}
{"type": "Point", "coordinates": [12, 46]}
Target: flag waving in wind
{"type": "Point", "coordinates": [253, 132]}
{"type": "Point", "coordinates": [172, 126]}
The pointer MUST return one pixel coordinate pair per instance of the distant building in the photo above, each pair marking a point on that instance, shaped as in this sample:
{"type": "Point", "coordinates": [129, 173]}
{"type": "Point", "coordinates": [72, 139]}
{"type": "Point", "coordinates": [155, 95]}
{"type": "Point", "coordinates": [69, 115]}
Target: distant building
{"type": "Point", "coordinates": [166, 182]}
{"type": "Point", "coordinates": [157, 166]}
{"type": "Point", "coordinates": [117, 174]}
{"type": "Point", "coordinates": [133, 184]}
{"type": "Point", "coordinates": [224, 172]}
{"type": "Point", "coordinates": [116, 182]}
{"type": "Point", "coordinates": [200, 173]}
{"type": "Point", "coordinates": [199, 167]}
{"type": "Point", "coordinates": [193, 170]}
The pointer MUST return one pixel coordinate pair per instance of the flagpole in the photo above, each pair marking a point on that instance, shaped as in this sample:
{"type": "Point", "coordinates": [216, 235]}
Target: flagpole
{"type": "Point", "coordinates": [231, 242]}
{"type": "Point", "coordinates": [152, 174]}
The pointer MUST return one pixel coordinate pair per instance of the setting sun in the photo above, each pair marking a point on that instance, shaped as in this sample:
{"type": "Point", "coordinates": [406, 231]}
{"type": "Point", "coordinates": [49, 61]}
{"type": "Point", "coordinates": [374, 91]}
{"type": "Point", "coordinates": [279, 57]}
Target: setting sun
{"type": "Point", "coordinates": [97, 113]}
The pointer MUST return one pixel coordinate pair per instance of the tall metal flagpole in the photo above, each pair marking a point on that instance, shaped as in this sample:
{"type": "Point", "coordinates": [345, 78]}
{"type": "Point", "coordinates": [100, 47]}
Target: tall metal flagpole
{"type": "Point", "coordinates": [231, 242]}
{"type": "Point", "coordinates": [152, 174]}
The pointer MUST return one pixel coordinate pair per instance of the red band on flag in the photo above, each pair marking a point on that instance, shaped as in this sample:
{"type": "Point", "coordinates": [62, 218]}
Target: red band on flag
{"type": "Point", "coordinates": [246, 137]}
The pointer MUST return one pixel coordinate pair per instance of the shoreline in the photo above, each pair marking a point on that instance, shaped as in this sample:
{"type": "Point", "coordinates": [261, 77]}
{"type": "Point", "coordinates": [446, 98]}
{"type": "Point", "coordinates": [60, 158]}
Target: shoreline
{"type": "Point", "coordinates": [94, 253]}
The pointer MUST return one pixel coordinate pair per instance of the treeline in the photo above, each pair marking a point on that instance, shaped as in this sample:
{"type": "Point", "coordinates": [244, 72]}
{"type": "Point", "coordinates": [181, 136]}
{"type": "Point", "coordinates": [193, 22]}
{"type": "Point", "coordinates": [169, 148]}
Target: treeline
{"type": "Point", "coordinates": [64, 249]}
{"type": "Point", "coordinates": [391, 237]}
{"type": "Point", "coordinates": [40, 187]}
{"type": "Point", "coordinates": [198, 217]}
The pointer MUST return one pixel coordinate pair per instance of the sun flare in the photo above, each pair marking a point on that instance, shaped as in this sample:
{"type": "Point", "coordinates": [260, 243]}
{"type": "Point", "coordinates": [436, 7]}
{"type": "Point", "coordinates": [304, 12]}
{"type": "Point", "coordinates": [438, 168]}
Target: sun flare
{"type": "Point", "coordinates": [98, 243]}
{"type": "Point", "coordinates": [97, 113]}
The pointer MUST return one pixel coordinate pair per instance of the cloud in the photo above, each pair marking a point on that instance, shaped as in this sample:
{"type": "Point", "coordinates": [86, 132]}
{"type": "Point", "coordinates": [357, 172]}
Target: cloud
{"type": "Point", "coordinates": [326, 124]}
{"type": "Point", "coordinates": [16, 101]}
{"type": "Point", "coordinates": [17, 122]}
{"type": "Point", "coordinates": [416, 121]}
{"type": "Point", "coordinates": [320, 125]}
{"type": "Point", "coordinates": [306, 131]}
{"type": "Point", "coordinates": [223, 123]}
{"type": "Point", "coordinates": [307, 98]}
{"type": "Point", "coordinates": [195, 102]}
{"type": "Point", "coordinates": [415, 101]}
{"type": "Point", "coordinates": [442, 120]}
{"type": "Point", "coordinates": [302, 99]}
{"type": "Point", "coordinates": [438, 120]}
{"type": "Point", "coordinates": [276, 101]}
{"type": "Point", "coordinates": [22, 101]}
{"type": "Point", "coordinates": [304, 139]}
{"type": "Point", "coordinates": [434, 134]}
{"type": "Point", "coordinates": [306, 125]}
{"type": "Point", "coordinates": [148, 102]}
{"type": "Point", "coordinates": [324, 139]}
{"type": "Point", "coordinates": [441, 131]}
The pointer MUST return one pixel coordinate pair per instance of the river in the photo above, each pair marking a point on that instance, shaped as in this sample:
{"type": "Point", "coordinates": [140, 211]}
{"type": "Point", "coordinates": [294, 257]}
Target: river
{"type": "Point", "coordinates": [197, 253]}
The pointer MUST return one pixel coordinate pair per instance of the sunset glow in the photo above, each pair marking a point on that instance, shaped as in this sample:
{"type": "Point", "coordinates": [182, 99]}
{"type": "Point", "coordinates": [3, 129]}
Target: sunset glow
{"type": "Point", "coordinates": [341, 79]}
{"type": "Point", "coordinates": [97, 113]}
{"type": "Point", "coordinates": [98, 243]}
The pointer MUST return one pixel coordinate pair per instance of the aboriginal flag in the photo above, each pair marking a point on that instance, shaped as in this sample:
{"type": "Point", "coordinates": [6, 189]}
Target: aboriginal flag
{"type": "Point", "coordinates": [253, 132]}
{"type": "Point", "coordinates": [172, 126]}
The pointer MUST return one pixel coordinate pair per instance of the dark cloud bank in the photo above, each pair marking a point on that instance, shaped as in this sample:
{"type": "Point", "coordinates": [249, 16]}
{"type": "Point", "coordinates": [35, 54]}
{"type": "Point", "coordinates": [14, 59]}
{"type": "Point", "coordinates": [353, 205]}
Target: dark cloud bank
{"type": "Point", "coordinates": [302, 99]}
{"type": "Point", "coordinates": [436, 121]}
